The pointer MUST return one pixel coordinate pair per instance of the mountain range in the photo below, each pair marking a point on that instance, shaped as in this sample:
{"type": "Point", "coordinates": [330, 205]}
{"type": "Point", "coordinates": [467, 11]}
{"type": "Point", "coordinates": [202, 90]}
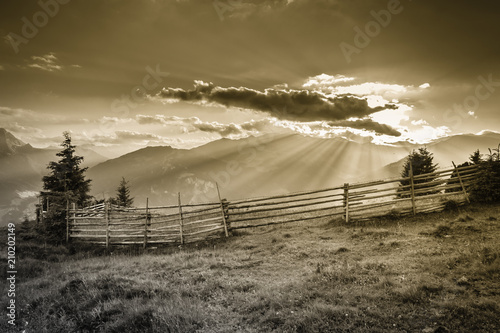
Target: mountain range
{"type": "Point", "coordinates": [21, 170]}
{"type": "Point", "coordinates": [254, 166]}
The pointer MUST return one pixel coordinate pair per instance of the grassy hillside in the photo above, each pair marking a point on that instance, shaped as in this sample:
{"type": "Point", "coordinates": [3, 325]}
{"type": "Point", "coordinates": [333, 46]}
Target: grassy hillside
{"type": "Point", "coordinates": [430, 273]}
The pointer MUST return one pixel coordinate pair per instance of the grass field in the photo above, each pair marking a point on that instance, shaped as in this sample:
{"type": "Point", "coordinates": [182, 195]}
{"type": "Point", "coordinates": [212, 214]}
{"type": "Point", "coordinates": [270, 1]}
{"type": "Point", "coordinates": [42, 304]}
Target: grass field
{"type": "Point", "coordinates": [437, 272]}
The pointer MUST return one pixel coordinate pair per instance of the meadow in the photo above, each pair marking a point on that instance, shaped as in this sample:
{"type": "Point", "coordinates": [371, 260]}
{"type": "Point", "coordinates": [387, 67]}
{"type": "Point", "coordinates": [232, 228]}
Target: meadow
{"type": "Point", "coordinates": [436, 272]}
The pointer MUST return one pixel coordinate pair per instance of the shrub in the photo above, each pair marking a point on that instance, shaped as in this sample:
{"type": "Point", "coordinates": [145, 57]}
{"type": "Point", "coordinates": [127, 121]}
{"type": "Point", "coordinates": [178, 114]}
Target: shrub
{"type": "Point", "coordinates": [486, 187]}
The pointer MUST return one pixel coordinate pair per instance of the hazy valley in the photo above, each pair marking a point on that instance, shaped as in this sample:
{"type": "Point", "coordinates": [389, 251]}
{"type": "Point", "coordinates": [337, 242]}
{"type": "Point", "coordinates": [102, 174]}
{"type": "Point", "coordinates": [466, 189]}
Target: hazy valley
{"type": "Point", "coordinates": [255, 166]}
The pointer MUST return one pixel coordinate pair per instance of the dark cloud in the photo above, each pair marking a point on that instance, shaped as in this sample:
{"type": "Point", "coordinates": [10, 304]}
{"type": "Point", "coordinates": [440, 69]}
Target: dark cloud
{"type": "Point", "coordinates": [297, 105]}
{"type": "Point", "coordinates": [368, 124]}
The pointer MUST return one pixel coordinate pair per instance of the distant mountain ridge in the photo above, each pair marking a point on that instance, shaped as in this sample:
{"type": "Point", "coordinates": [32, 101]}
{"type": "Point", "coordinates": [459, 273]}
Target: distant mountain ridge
{"type": "Point", "coordinates": [271, 164]}
{"type": "Point", "coordinates": [9, 144]}
{"type": "Point", "coordinates": [254, 166]}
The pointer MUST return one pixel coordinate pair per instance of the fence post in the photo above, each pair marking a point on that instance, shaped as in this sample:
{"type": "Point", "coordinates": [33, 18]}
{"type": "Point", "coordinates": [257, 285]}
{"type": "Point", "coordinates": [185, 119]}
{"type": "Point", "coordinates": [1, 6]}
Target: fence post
{"type": "Point", "coordinates": [67, 220]}
{"type": "Point", "coordinates": [222, 210]}
{"type": "Point", "coordinates": [73, 207]}
{"type": "Point", "coordinates": [106, 217]}
{"type": "Point", "coordinates": [40, 202]}
{"type": "Point", "coordinates": [146, 221]}
{"type": "Point", "coordinates": [346, 202]}
{"type": "Point", "coordinates": [412, 191]}
{"type": "Point", "coordinates": [181, 222]}
{"type": "Point", "coordinates": [461, 183]}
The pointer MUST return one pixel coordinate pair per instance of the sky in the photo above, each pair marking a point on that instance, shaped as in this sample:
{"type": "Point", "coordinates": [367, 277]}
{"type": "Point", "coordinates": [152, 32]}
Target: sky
{"type": "Point", "coordinates": [124, 74]}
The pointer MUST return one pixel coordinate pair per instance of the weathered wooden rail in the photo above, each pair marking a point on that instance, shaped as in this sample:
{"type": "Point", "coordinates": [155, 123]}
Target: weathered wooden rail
{"type": "Point", "coordinates": [183, 223]}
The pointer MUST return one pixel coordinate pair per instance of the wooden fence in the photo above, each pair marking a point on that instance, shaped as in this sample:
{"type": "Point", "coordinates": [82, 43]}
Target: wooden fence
{"type": "Point", "coordinates": [182, 223]}
{"type": "Point", "coordinates": [108, 224]}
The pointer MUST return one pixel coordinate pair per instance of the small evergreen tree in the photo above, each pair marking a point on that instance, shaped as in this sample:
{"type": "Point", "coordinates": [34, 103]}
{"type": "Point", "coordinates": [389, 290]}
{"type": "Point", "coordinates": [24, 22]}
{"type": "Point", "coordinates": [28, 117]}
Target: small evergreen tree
{"type": "Point", "coordinates": [123, 195]}
{"type": "Point", "coordinates": [486, 186]}
{"type": "Point", "coordinates": [66, 183]}
{"type": "Point", "coordinates": [476, 157]}
{"type": "Point", "coordinates": [420, 162]}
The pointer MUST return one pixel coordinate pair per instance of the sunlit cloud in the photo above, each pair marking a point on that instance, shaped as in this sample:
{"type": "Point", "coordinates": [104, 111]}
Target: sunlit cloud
{"type": "Point", "coordinates": [105, 120]}
{"type": "Point", "coordinates": [325, 80]}
{"type": "Point", "coordinates": [193, 124]}
{"type": "Point", "coordinates": [371, 88]}
{"type": "Point", "coordinates": [29, 117]}
{"type": "Point", "coordinates": [472, 114]}
{"type": "Point", "coordinates": [427, 133]}
{"type": "Point", "coordinates": [419, 122]}
{"type": "Point", "coordinates": [17, 128]}
{"type": "Point", "coordinates": [122, 137]}
{"type": "Point", "coordinates": [47, 62]}
{"type": "Point", "coordinates": [377, 101]}
{"type": "Point", "coordinates": [376, 93]}
{"type": "Point", "coordinates": [392, 118]}
{"type": "Point", "coordinates": [163, 120]}
{"type": "Point", "coordinates": [324, 130]}
{"type": "Point", "coordinates": [369, 125]}
{"type": "Point", "coordinates": [242, 10]}
{"type": "Point", "coordinates": [388, 122]}
{"type": "Point", "coordinates": [132, 135]}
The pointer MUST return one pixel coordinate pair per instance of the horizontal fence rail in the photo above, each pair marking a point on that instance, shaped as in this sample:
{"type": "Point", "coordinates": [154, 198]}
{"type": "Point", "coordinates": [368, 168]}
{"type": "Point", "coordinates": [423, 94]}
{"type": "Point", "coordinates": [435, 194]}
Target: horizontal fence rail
{"type": "Point", "coordinates": [108, 224]}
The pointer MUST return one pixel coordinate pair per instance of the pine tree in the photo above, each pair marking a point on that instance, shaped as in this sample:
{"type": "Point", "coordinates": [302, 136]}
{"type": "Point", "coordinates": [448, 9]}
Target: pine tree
{"type": "Point", "coordinates": [66, 177]}
{"type": "Point", "coordinates": [66, 183]}
{"type": "Point", "coordinates": [421, 162]}
{"type": "Point", "coordinates": [123, 194]}
{"type": "Point", "coordinates": [476, 157]}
